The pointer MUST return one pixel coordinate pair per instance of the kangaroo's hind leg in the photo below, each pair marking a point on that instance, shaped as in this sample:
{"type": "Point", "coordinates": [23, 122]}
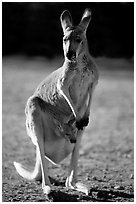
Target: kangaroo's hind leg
{"type": "Point", "coordinates": [37, 132]}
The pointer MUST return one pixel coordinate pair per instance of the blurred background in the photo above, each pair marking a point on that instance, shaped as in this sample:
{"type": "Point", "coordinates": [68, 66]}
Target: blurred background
{"type": "Point", "coordinates": [34, 29]}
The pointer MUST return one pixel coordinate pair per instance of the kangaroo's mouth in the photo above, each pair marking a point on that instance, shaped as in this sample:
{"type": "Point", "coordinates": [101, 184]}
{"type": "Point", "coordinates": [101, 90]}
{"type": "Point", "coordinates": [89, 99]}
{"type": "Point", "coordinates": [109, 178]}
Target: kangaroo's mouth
{"type": "Point", "coordinates": [71, 55]}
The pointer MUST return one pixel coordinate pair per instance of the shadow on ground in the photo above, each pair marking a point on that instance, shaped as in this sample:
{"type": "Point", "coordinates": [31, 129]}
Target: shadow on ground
{"type": "Point", "coordinates": [95, 194]}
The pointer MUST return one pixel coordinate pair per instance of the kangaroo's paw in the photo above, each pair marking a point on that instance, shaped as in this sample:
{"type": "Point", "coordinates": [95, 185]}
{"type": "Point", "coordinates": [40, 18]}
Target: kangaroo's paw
{"type": "Point", "coordinates": [78, 186]}
{"type": "Point", "coordinates": [83, 122]}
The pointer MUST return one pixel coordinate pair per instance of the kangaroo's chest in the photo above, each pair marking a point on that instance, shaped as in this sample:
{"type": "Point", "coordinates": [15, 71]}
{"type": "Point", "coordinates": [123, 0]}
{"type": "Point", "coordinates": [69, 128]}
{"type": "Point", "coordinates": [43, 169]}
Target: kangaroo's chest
{"type": "Point", "coordinates": [80, 84]}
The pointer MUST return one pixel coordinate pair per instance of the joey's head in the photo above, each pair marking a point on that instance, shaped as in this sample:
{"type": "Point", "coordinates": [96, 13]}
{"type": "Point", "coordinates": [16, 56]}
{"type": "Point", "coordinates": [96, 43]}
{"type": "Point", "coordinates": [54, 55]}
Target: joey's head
{"type": "Point", "coordinates": [74, 40]}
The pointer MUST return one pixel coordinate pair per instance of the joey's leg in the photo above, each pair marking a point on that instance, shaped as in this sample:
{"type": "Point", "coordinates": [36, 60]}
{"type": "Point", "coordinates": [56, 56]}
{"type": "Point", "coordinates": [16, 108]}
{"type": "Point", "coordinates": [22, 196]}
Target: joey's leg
{"type": "Point", "coordinates": [71, 181]}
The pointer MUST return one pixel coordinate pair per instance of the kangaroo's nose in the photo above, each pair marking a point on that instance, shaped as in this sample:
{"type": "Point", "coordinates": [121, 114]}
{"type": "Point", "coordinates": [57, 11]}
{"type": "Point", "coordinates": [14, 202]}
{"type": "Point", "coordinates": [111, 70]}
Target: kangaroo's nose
{"type": "Point", "coordinates": [71, 55]}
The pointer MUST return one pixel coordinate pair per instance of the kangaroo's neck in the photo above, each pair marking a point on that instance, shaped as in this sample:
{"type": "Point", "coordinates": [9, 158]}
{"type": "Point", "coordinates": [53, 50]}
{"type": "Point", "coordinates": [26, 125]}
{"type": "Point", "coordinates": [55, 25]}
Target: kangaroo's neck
{"type": "Point", "coordinates": [84, 57]}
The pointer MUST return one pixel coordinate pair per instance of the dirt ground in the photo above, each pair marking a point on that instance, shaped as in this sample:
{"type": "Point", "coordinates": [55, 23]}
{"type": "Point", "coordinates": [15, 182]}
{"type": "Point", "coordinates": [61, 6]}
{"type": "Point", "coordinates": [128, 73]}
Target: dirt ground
{"type": "Point", "coordinates": [106, 163]}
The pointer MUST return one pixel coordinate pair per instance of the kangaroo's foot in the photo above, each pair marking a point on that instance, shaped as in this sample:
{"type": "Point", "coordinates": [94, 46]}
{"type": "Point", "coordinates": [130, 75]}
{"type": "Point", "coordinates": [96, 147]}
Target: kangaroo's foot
{"type": "Point", "coordinates": [78, 186]}
{"type": "Point", "coordinates": [46, 189]}
{"type": "Point", "coordinates": [47, 193]}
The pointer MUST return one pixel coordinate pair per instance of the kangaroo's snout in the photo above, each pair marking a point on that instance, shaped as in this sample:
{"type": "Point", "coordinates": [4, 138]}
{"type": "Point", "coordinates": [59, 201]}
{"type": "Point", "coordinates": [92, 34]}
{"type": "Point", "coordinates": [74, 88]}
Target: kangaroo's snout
{"type": "Point", "coordinates": [71, 55]}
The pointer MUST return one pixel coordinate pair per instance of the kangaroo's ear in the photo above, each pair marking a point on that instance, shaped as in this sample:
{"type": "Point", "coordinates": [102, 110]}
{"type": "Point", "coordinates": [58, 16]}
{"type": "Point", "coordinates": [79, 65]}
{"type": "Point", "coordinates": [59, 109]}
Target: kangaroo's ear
{"type": "Point", "coordinates": [85, 19]}
{"type": "Point", "coordinates": [66, 20]}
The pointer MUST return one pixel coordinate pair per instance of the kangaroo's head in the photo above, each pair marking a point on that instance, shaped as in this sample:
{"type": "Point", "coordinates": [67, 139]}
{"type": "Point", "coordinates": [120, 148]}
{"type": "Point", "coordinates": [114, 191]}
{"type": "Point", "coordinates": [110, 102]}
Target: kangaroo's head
{"type": "Point", "coordinates": [74, 40]}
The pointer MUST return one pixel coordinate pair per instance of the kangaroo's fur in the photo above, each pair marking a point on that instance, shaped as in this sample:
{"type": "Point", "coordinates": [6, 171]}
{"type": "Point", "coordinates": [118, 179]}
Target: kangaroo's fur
{"type": "Point", "coordinates": [59, 109]}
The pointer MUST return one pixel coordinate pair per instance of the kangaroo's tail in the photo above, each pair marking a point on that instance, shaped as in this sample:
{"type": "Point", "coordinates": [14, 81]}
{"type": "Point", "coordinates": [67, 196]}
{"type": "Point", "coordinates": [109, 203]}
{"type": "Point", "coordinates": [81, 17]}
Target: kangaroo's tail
{"type": "Point", "coordinates": [36, 174]}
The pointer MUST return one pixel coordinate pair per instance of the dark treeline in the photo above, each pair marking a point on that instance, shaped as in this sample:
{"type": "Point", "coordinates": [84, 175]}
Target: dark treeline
{"type": "Point", "coordinates": [35, 29]}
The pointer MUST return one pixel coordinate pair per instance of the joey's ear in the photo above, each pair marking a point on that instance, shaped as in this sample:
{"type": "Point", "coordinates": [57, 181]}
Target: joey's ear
{"type": "Point", "coordinates": [85, 19]}
{"type": "Point", "coordinates": [66, 20]}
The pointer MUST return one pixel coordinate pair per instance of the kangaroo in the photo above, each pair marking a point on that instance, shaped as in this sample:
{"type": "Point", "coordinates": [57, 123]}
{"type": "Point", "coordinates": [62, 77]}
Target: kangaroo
{"type": "Point", "coordinates": [58, 111]}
